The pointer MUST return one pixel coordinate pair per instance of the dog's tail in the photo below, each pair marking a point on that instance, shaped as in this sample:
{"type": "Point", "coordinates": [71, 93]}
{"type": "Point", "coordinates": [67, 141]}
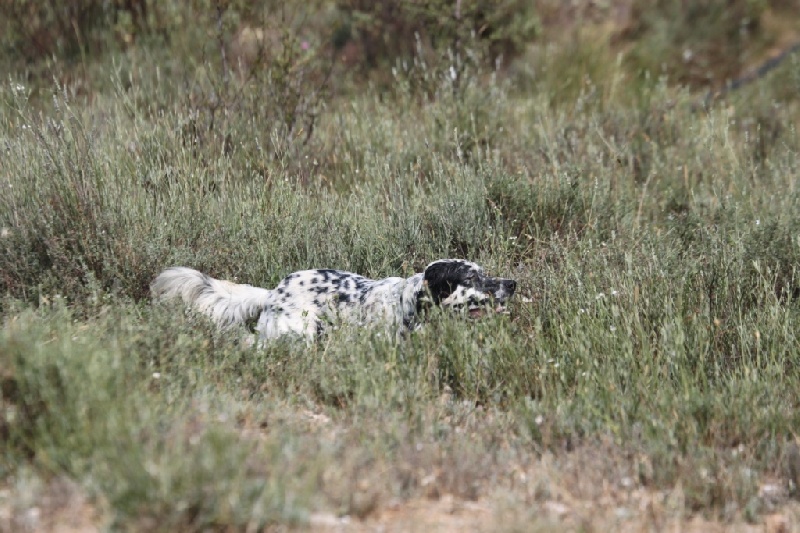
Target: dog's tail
{"type": "Point", "coordinates": [226, 303]}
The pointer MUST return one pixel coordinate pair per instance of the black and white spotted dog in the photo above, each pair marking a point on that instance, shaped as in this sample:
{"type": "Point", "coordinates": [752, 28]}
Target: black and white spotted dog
{"type": "Point", "coordinates": [306, 302]}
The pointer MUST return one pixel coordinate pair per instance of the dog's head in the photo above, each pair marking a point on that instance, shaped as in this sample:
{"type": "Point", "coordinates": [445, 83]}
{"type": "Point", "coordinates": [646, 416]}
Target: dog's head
{"type": "Point", "coordinates": [461, 285]}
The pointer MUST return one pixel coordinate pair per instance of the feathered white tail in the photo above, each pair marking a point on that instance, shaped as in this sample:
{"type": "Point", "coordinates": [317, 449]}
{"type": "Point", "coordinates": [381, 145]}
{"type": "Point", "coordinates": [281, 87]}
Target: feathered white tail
{"type": "Point", "coordinates": [224, 302]}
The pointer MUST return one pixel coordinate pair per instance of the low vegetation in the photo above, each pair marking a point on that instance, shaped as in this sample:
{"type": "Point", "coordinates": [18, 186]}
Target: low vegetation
{"type": "Point", "coordinates": [647, 375]}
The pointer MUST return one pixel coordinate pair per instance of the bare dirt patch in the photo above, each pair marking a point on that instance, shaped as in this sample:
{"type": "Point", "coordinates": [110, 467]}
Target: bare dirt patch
{"type": "Point", "coordinates": [58, 506]}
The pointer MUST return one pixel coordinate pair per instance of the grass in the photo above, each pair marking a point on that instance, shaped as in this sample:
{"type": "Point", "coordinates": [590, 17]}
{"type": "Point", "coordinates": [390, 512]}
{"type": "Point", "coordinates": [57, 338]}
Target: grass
{"type": "Point", "coordinates": [647, 375]}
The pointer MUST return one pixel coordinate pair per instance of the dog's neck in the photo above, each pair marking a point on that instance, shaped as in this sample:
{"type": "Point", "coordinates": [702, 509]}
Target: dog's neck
{"type": "Point", "coordinates": [414, 288]}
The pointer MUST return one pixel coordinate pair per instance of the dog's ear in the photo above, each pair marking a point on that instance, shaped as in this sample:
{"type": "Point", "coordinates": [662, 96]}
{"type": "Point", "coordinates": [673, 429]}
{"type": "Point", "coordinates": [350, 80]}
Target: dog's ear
{"type": "Point", "coordinates": [440, 279]}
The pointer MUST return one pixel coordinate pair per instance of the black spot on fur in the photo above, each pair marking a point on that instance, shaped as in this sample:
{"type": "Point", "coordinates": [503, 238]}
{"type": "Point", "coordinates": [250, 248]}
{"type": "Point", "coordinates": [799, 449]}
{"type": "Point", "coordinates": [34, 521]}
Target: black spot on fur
{"type": "Point", "coordinates": [443, 277]}
{"type": "Point", "coordinates": [252, 322]}
{"type": "Point", "coordinates": [474, 300]}
{"type": "Point", "coordinates": [329, 274]}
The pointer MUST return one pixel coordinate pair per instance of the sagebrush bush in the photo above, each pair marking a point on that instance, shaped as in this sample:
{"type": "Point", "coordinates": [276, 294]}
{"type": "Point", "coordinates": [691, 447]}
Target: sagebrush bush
{"type": "Point", "coordinates": [691, 45]}
{"type": "Point", "coordinates": [390, 29]}
{"type": "Point", "coordinates": [37, 30]}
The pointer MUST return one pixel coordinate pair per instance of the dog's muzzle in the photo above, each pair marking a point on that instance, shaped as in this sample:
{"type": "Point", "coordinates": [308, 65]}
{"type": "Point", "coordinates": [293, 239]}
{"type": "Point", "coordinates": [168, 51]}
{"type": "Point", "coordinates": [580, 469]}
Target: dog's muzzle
{"type": "Point", "coordinates": [498, 292]}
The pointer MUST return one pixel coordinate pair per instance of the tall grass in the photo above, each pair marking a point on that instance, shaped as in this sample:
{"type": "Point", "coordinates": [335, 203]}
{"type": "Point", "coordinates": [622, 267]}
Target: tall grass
{"type": "Point", "coordinates": [653, 341]}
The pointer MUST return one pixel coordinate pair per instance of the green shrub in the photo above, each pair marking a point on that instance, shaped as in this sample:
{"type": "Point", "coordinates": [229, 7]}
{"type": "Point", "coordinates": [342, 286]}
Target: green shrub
{"type": "Point", "coordinates": [704, 44]}
{"type": "Point", "coordinates": [391, 29]}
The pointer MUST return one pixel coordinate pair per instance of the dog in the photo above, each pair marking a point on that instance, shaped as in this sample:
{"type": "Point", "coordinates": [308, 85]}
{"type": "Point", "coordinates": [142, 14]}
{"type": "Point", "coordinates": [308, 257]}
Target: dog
{"type": "Point", "coordinates": [308, 302]}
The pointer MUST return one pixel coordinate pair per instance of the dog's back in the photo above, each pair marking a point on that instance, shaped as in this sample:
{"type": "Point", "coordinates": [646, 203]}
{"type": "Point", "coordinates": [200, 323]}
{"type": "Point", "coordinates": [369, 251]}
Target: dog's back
{"type": "Point", "coordinates": [304, 303]}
